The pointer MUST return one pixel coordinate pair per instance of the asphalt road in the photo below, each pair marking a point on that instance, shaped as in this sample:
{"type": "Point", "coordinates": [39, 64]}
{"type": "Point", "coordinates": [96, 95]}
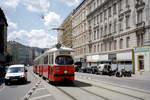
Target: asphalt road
{"type": "Point", "coordinates": [17, 91]}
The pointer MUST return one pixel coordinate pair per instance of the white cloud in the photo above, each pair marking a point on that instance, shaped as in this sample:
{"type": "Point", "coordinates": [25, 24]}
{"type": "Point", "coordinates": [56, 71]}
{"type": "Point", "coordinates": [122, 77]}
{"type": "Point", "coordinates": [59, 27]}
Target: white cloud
{"type": "Point", "coordinates": [37, 5]}
{"type": "Point", "coordinates": [36, 38]}
{"type": "Point", "coordinates": [9, 4]}
{"type": "Point", "coordinates": [11, 25]}
{"type": "Point", "coordinates": [52, 19]}
{"type": "Point", "coordinates": [72, 2]}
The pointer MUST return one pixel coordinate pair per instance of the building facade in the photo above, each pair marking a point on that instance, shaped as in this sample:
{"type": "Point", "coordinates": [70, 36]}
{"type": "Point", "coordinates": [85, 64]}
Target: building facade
{"type": "Point", "coordinates": [79, 33]}
{"type": "Point", "coordinates": [65, 32]}
{"type": "Point", "coordinates": [3, 37]}
{"type": "Point", "coordinates": [115, 28]}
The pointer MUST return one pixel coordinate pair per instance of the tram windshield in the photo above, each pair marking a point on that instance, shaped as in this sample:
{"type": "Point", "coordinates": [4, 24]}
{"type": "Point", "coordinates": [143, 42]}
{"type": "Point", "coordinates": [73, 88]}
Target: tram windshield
{"type": "Point", "coordinates": [64, 60]}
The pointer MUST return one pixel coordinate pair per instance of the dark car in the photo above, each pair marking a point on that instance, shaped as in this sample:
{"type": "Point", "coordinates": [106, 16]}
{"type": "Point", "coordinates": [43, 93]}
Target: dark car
{"type": "Point", "coordinates": [94, 69]}
{"type": "Point", "coordinates": [123, 71]}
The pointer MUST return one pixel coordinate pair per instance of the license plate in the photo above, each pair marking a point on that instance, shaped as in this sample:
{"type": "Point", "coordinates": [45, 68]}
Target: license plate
{"type": "Point", "coordinates": [14, 79]}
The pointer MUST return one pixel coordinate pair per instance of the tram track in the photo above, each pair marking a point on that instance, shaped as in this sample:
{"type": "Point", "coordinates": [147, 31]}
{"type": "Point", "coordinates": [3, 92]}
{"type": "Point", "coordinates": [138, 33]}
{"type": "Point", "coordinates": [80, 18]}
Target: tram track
{"type": "Point", "coordinates": [89, 92]}
{"type": "Point", "coordinates": [125, 87]}
{"type": "Point", "coordinates": [69, 94]}
{"type": "Point", "coordinates": [113, 90]}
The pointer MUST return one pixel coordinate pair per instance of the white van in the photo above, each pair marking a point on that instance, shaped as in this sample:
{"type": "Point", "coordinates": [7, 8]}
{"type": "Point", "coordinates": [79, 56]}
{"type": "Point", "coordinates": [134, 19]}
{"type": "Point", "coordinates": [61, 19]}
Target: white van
{"type": "Point", "coordinates": [16, 73]}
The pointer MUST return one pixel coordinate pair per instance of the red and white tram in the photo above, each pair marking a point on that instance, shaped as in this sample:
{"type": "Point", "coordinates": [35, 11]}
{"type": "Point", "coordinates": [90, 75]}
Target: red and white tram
{"type": "Point", "coordinates": [56, 64]}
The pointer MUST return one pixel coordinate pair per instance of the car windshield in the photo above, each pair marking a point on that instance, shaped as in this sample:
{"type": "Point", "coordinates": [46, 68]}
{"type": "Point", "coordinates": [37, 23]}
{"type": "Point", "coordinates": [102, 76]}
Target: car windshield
{"type": "Point", "coordinates": [64, 60]}
{"type": "Point", "coordinates": [15, 70]}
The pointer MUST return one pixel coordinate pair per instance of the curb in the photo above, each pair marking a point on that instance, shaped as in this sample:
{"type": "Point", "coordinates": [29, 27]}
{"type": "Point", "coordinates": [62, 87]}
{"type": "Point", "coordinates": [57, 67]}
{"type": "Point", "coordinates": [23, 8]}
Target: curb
{"type": "Point", "coordinates": [31, 91]}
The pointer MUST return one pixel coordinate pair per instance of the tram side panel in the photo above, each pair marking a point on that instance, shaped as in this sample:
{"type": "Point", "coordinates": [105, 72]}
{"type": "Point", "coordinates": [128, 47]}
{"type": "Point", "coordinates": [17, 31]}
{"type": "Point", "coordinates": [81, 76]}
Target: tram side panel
{"type": "Point", "coordinates": [45, 71]}
{"type": "Point", "coordinates": [35, 69]}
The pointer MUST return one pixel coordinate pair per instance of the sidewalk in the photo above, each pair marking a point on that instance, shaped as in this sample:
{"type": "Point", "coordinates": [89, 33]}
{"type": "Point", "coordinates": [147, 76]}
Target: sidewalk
{"type": "Point", "coordinates": [140, 76]}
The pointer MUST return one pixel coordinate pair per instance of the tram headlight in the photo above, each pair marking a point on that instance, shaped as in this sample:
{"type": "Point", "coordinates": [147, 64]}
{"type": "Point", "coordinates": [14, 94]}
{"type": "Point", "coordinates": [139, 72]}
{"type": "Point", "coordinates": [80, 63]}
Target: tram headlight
{"type": "Point", "coordinates": [65, 71]}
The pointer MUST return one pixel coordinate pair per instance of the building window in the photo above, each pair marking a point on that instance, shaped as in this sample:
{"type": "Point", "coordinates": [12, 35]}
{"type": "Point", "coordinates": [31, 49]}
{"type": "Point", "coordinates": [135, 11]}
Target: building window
{"type": "Point", "coordinates": [127, 3]}
{"type": "Point", "coordinates": [114, 9]}
{"type": "Point", "coordinates": [105, 29]}
{"type": "Point", "coordinates": [109, 12]}
{"type": "Point", "coordinates": [110, 28]}
{"type": "Point", "coordinates": [120, 6]}
{"type": "Point", "coordinates": [101, 31]}
{"type": "Point", "coordinates": [127, 42]}
{"type": "Point", "coordinates": [97, 19]}
{"type": "Point", "coordinates": [94, 48]}
{"type": "Point", "coordinates": [94, 34]}
{"type": "Point", "coordinates": [127, 22]}
{"type": "Point", "coordinates": [101, 17]}
{"type": "Point", "coordinates": [110, 46]}
{"type": "Point", "coordinates": [121, 43]}
{"type": "Point", "coordinates": [101, 47]}
{"type": "Point", "coordinates": [105, 46]}
{"type": "Point", "coordinates": [141, 62]}
{"type": "Point", "coordinates": [121, 25]}
{"type": "Point", "coordinates": [97, 2]}
{"type": "Point", "coordinates": [115, 44]}
{"type": "Point", "coordinates": [115, 25]}
{"type": "Point", "coordinates": [97, 33]}
{"type": "Point", "coordinates": [140, 40]}
{"type": "Point", "coordinates": [139, 16]}
{"type": "Point", "coordinates": [98, 48]}
{"type": "Point", "coordinates": [105, 14]}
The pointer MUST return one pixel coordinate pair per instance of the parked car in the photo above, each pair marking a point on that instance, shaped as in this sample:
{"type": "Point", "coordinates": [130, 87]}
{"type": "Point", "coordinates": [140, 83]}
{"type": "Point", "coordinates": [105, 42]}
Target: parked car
{"type": "Point", "coordinates": [94, 69]}
{"type": "Point", "coordinates": [104, 69]}
{"type": "Point", "coordinates": [82, 69]}
{"type": "Point", "coordinates": [123, 72]}
{"type": "Point", "coordinates": [16, 73]}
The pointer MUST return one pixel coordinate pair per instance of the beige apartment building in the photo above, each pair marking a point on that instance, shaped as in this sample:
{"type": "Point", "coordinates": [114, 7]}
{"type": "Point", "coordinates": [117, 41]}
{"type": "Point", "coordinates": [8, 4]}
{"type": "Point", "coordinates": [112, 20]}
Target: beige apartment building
{"type": "Point", "coordinates": [118, 32]}
{"type": "Point", "coordinates": [79, 33]}
{"type": "Point", "coordinates": [65, 32]}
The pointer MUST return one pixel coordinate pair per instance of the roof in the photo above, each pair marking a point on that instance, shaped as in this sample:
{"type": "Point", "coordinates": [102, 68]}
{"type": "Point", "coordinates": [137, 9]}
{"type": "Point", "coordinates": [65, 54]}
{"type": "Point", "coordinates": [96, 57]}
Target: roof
{"type": "Point", "coordinates": [60, 49]}
{"type": "Point", "coordinates": [19, 65]}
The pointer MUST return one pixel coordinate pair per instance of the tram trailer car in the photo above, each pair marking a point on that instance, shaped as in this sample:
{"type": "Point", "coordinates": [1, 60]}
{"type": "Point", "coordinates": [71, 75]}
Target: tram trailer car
{"type": "Point", "coordinates": [56, 64]}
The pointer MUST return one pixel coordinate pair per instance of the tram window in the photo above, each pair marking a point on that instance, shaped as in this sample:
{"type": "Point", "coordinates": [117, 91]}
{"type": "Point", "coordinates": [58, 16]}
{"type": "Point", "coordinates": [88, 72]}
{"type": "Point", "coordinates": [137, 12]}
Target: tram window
{"type": "Point", "coordinates": [46, 60]}
{"type": "Point", "coordinates": [51, 59]}
{"type": "Point", "coordinates": [64, 60]}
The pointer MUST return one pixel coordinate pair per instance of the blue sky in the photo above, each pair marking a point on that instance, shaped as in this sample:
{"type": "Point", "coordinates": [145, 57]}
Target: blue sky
{"type": "Point", "coordinates": [30, 21]}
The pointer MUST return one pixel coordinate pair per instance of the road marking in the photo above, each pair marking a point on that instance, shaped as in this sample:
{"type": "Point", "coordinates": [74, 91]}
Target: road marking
{"type": "Point", "coordinates": [39, 97]}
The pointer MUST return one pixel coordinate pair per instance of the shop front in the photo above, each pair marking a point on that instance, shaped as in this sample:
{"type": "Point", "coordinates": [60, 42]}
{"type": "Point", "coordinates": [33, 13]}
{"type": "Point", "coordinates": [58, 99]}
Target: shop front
{"type": "Point", "coordinates": [142, 59]}
{"type": "Point", "coordinates": [124, 60]}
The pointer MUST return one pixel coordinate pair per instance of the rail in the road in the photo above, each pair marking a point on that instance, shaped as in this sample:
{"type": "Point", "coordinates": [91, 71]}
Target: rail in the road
{"type": "Point", "coordinates": [87, 88]}
{"type": "Point", "coordinates": [128, 91]}
{"type": "Point", "coordinates": [116, 85]}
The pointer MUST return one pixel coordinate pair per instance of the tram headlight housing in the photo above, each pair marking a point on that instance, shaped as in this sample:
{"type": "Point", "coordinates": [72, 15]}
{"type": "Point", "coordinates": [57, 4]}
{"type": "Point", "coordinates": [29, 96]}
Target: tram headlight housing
{"type": "Point", "coordinates": [65, 71]}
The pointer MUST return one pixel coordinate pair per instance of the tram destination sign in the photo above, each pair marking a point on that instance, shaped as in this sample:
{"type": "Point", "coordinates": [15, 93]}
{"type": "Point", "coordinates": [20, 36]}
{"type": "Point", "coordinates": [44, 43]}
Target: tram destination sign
{"type": "Point", "coordinates": [64, 52]}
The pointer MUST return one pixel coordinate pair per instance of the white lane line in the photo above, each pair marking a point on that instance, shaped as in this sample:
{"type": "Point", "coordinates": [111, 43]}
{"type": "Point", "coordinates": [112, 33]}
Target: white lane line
{"type": "Point", "coordinates": [39, 97]}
